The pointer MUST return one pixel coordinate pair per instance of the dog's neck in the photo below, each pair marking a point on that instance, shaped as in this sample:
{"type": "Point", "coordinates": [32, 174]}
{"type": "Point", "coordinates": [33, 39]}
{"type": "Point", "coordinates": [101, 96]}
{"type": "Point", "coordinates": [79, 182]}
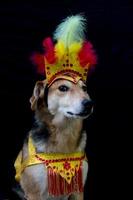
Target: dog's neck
{"type": "Point", "coordinates": [65, 134]}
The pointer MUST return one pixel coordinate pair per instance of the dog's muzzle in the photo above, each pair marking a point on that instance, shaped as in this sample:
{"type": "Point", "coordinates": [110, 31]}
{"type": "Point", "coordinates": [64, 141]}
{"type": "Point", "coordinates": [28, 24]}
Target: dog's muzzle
{"type": "Point", "coordinates": [87, 107]}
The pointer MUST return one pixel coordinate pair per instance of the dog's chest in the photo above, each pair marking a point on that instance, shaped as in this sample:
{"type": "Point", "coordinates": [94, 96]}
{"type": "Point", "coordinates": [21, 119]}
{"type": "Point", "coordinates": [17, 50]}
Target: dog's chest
{"type": "Point", "coordinates": [58, 143]}
{"type": "Point", "coordinates": [64, 143]}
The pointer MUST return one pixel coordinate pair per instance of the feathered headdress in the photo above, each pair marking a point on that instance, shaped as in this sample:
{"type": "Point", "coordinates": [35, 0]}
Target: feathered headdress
{"type": "Point", "coordinates": [71, 56]}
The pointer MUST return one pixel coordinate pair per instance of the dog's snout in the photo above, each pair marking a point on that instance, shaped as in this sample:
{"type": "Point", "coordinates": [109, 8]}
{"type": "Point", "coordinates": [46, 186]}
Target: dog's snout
{"type": "Point", "coordinates": [88, 104]}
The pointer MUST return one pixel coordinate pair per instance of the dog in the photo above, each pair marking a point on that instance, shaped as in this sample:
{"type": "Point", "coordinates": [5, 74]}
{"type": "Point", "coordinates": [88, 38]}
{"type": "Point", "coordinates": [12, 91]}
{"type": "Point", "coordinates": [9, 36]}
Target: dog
{"type": "Point", "coordinates": [59, 113]}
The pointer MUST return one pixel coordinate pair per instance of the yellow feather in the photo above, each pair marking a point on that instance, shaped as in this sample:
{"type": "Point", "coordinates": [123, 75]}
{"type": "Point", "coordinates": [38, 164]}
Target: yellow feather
{"type": "Point", "coordinates": [75, 47]}
{"type": "Point", "coordinates": [59, 49]}
{"type": "Point", "coordinates": [71, 30]}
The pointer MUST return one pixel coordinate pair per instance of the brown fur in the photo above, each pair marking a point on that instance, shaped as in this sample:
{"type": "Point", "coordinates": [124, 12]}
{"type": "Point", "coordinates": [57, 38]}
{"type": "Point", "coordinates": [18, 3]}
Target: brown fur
{"type": "Point", "coordinates": [65, 134]}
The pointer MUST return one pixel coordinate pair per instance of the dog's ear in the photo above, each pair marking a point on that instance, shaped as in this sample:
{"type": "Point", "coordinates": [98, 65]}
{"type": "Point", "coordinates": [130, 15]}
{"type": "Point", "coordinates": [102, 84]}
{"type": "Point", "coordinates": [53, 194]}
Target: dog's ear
{"type": "Point", "coordinates": [38, 92]}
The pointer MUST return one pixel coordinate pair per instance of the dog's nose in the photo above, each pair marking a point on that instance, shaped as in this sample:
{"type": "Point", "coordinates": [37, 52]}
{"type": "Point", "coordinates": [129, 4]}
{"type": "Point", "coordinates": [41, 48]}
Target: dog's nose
{"type": "Point", "coordinates": [88, 104]}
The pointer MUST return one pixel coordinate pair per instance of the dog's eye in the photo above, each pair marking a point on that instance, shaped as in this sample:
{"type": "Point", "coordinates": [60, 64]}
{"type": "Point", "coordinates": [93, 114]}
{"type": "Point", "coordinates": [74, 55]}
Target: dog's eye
{"type": "Point", "coordinates": [63, 88]}
{"type": "Point", "coordinates": [84, 88]}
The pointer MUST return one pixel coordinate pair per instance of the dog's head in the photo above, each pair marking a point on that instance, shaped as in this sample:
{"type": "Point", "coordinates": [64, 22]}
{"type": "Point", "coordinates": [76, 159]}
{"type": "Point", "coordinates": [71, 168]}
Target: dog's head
{"type": "Point", "coordinates": [63, 97]}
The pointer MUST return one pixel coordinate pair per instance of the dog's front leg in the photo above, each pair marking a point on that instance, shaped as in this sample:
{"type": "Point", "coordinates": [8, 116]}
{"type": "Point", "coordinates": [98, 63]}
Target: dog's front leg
{"type": "Point", "coordinates": [35, 196]}
{"type": "Point", "coordinates": [34, 182]}
{"type": "Point", "coordinates": [80, 196]}
{"type": "Point", "coordinates": [77, 197]}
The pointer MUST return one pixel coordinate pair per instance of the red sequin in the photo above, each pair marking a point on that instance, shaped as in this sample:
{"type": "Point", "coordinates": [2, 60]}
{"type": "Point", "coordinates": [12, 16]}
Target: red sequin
{"type": "Point", "coordinates": [67, 165]}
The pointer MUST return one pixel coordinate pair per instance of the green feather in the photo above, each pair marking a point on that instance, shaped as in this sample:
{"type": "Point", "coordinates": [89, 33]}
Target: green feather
{"type": "Point", "coordinates": [71, 30]}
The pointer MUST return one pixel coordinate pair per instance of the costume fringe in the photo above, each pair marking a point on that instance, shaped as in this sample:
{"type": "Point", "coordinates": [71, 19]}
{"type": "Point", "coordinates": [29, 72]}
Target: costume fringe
{"type": "Point", "coordinates": [59, 186]}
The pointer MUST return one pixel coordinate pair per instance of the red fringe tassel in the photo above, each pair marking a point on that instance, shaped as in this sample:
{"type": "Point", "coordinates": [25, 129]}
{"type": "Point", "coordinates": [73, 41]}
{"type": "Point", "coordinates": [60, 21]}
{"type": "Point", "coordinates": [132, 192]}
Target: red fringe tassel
{"type": "Point", "coordinates": [58, 186]}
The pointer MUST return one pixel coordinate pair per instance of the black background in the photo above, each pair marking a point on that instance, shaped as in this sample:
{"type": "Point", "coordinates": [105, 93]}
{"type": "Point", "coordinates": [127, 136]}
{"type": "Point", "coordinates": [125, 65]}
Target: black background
{"type": "Point", "coordinates": [22, 29]}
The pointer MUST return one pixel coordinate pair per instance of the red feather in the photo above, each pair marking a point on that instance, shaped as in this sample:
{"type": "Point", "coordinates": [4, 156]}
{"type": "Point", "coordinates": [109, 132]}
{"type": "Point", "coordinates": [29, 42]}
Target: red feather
{"type": "Point", "coordinates": [38, 60]}
{"type": "Point", "coordinates": [87, 54]}
{"type": "Point", "coordinates": [49, 49]}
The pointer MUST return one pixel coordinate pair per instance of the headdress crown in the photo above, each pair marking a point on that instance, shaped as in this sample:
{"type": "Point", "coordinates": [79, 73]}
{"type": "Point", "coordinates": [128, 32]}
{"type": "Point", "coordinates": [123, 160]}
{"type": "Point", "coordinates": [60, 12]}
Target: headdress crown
{"type": "Point", "coordinates": [71, 56]}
